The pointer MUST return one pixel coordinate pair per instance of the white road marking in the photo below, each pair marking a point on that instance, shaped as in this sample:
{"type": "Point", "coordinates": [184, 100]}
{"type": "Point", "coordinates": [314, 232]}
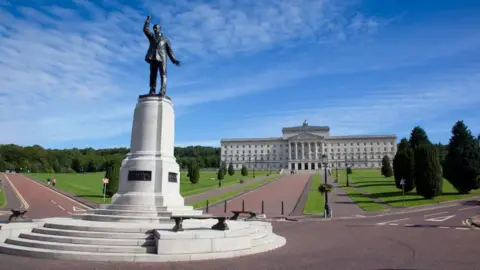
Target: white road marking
{"type": "Point", "coordinates": [19, 196]}
{"type": "Point", "coordinates": [440, 219]}
{"type": "Point", "coordinates": [393, 224]}
{"type": "Point", "coordinates": [52, 201]}
{"type": "Point", "coordinates": [443, 227]}
{"type": "Point", "coordinates": [76, 209]}
{"type": "Point", "coordinates": [386, 222]}
{"type": "Point", "coordinates": [468, 208]}
{"type": "Point", "coordinates": [69, 213]}
{"type": "Point", "coordinates": [436, 214]}
{"type": "Point", "coordinates": [462, 228]}
{"type": "Point", "coordinates": [59, 206]}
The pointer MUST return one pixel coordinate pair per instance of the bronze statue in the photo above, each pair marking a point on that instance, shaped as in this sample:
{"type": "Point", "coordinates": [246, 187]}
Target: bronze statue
{"type": "Point", "coordinates": [157, 56]}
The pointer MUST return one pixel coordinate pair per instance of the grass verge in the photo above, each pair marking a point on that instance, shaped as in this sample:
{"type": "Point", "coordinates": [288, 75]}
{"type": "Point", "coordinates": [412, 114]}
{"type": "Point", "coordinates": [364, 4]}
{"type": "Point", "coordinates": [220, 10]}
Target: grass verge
{"type": "Point", "coordinates": [315, 200]}
{"type": "Point", "coordinates": [3, 200]}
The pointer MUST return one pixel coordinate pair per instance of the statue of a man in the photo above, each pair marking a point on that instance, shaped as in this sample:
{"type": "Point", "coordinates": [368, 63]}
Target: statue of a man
{"type": "Point", "coordinates": [157, 56]}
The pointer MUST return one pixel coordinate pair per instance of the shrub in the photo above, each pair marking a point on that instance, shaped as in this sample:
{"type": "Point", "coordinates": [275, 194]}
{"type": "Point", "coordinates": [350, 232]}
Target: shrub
{"type": "Point", "coordinates": [194, 172]}
{"type": "Point", "coordinates": [231, 171]}
{"type": "Point", "coordinates": [244, 171]}
{"type": "Point", "coordinates": [113, 175]}
{"type": "Point", "coordinates": [428, 173]}
{"type": "Point", "coordinates": [386, 170]}
{"type": "Point", "coordinates": [220, 174]}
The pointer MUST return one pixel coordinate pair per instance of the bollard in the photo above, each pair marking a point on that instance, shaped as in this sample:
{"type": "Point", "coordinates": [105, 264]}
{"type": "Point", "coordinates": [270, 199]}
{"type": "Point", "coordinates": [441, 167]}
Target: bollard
{"type": "Point", "coordinates": [262, 208]}
{"type": "Point", "coordinates": [243, 205]}
{"type": "Point", "coordinates": [207, 206]}
{"type": "Point", "coordinates": [282, 208]}
{"type": "Point", "coordinates": [225, 207]}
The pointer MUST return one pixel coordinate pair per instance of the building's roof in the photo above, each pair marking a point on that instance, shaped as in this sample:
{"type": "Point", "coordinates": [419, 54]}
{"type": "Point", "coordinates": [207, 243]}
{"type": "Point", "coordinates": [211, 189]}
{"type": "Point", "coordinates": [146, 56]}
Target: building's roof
{"type": "Point", "coordinates": [252, 139]}
{"type": "Point", "coordinates": [307, 127]}
{"type": "Point", "coordinates": [360, 137]}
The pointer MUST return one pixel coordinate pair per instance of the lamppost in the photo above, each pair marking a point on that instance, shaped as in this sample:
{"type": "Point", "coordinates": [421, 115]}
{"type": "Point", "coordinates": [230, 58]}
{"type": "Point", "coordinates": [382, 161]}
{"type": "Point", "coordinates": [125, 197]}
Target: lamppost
{"type": "Point", "coordinates": [325, 164]}
{"type": "Point", "coordinates": [336, 170]}
{"type": "Point", "coordinates": [346, 171]}
{"type": "Point", "coordinates": [254, 164]}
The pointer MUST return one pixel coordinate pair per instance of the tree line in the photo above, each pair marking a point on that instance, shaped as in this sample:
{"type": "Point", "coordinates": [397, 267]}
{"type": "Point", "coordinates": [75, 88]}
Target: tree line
{"type": "Point", "coordinates": [38, 159]}
{"type": "Point", "coordinates": [421, 165]}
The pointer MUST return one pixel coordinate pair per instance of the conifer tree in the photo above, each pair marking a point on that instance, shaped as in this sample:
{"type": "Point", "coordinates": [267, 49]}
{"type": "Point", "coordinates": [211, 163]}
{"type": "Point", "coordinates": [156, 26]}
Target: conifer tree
{"type": "Point", "coordinates": [428, 172]}
{"type": "Point", "coordinates": [386, 169]}
{"type": "Point", "coordinates": [231, 171]}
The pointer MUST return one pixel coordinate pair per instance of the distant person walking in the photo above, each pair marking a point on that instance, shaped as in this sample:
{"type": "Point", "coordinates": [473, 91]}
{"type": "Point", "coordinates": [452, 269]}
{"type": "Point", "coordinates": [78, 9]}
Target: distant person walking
{"type": "Point", "coordinates": [48, 181]}
{"type": "Point", "coordinates": [54, 182]}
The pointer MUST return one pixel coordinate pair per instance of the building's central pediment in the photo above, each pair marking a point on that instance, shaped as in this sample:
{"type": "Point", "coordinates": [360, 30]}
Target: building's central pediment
{"type": "Point", "coordinates": [305, 136]}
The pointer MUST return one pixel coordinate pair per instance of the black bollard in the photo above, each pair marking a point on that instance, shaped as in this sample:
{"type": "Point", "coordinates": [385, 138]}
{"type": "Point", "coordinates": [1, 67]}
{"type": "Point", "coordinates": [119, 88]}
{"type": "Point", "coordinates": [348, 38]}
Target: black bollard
{"type": "Point", "coordinates": [207, 206]}
{"type": "Point", "coordinates": [262, 207]}
{"type": "Point", "coordinates": [282, 208]}
{"type": "Point", "coordinates": [225, 207]}
{"type": "Point", "coordinates": [243, 205]}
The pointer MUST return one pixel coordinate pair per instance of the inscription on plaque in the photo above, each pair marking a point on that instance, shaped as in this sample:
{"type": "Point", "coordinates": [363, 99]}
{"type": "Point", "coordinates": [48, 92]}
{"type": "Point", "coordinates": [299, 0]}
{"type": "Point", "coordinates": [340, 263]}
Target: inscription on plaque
{"type": "Point", "coordinates": [139, 175]}
{"type": "Point", "coordinates": [172, 177]}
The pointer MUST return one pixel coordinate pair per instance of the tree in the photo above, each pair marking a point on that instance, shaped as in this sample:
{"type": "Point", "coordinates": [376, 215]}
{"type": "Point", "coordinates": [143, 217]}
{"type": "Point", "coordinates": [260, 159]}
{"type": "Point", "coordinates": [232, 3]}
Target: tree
{"type": "Point", "coordinates": [403, 168]}
{"type": "Point", "coordinates": [386, 167]}
{"type": "Point", "coordinates": [231, 171]}
{"type": "Point", "coordinates": [462, 162]}
{"type": "Point", "coordinates": [224, 166]}
{"type": "Point", "coordinates": [113, 175]}
{"type": "Point", "coordinates": [428, 172]}
{"type": "Point", "coordinates": [244, 170]}
{"type": "Point", "coordinates": [3, 165]}
{"type": "Point", "coordinates": [404, 144]}
{"type": "Point", "coordinates": [418, 136]}
{"type": "Point", "coordinates": [76, 165]}
{"type": "Point", "coordinates": [220, 174]}
{"type": "Point", "coordinates": [194, 173]}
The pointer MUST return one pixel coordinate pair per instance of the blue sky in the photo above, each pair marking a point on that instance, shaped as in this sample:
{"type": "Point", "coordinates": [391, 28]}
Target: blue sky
{"type": "Point", "coordinates": [71, 71]}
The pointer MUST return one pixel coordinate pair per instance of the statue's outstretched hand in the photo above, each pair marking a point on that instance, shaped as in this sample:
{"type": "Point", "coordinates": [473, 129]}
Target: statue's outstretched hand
{"type": "Point", "coordinates": [177, 63]}
{"type": "Point", "coordinates": [149, 17]}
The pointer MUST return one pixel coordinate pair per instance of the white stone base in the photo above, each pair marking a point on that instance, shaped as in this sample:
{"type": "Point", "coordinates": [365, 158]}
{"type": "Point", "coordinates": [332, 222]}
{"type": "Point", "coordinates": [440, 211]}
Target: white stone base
{"type": "Point", "coordinates": [69, 239]}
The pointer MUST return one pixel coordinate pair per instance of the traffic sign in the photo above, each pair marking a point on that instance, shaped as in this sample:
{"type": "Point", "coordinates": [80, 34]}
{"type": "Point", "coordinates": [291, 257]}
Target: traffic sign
{"type": "Point", "coordinates": [402, 182]}
{"type": "Point", "coordinates": [105, 180]}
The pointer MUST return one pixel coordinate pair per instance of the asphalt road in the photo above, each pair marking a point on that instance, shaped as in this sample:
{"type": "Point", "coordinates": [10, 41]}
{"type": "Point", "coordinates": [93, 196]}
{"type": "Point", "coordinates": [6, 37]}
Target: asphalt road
{"type": "Point", "coordinates": [43, 202]}
{"type": "Point", "coordinates": [430, 239]}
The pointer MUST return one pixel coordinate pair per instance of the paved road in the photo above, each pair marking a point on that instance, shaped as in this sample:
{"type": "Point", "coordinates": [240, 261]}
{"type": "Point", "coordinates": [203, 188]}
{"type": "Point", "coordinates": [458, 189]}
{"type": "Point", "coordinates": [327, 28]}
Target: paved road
{"type": "Point", "coordinates": [336, 244]}
{"type": "Point", "coordinates": [287, 189]}
{"type": "Point", "coordinates": [43, 202]}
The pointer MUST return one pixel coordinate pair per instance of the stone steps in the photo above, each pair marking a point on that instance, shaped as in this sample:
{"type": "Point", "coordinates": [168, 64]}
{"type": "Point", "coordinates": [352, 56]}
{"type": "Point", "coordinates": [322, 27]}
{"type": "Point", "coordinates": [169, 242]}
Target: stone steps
{"type": "Point", "coordinates": [99, 228]}
{"type": "Point", "coordinates": [126, 219]}
{"type": "Point", "coordinates": [88, 241]}
{"type": "Point", "coordinates": [79, 247]}
{"type": "Point", "coordinates": [90, 234]}
{"type": "Point", "coordinates": [118, 212]}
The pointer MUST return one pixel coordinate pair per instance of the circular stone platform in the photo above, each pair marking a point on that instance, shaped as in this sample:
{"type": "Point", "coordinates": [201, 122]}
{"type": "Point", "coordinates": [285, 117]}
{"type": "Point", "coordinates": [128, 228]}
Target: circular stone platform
{"type": "Point", "coordinates": [72, 239]}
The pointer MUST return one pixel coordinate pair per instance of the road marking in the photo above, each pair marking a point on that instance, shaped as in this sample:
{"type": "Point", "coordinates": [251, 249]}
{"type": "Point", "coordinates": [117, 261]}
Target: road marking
{"type": "Point", "coordinates": [462, 229]}
{"type": "Point", "coordinates": [436, 214]}
{"type": "Point", "coordinates": [69, 213]}
{"type": "Point", "coordinates": [393, 224]}
{"type": "Point", "coordinates": [386, 222]}
{"type": "Point", "coordinates": [468, 208]}
{"type": "Point", "coordinates": [59, 206]}
{"type": "Point", "coordinates": [52, 201]}
{"type": "Point", "coordinates": [19, 196]}
{"type": "Point", "coordinates": [76, 209]}
{"type": "Point", "coordinates": [440, 219]}
{"type": "Point", "coordinates": [51, 190]}
{"type": "Point", "coordinates": [443, 227]}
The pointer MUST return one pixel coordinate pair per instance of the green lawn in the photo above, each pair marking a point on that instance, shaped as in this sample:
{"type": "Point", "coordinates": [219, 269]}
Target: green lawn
{"type": "Point", "coordinates": [89, 185]}
{"type": "Point", "coordinates": [3, 201]}
{"type": "Point", "coordinates": [315, 201]}
{"type": "Point", "coordinates": [384, 189]}
{"type": "Point", "coordinates": [230, 194]}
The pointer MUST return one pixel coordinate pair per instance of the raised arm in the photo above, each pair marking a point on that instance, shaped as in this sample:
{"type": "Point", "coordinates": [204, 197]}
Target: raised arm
{"type": "Point", "coordinates": [146, 27]}
{"type": "Point", "coordinates": [170, 53]}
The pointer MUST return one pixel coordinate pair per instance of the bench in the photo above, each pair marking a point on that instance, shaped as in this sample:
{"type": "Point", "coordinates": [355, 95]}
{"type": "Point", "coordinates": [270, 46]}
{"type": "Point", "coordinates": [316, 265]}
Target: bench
{"type": "Point", "coordinates": [236, 214]}
{"type": "Point", "coordinates": [17, 213]}
{"type": "Point", "coordinates": [220, 226]}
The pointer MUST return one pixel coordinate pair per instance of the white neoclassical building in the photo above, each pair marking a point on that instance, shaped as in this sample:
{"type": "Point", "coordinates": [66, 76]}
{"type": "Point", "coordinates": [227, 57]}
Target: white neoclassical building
{"type": "Point", "coordinates": [301, 148]}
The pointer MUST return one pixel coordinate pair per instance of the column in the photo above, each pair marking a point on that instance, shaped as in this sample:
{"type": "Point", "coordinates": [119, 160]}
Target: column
{"type": "Point", "coordinates": [316, 150]}
{"type": "Point", "coordinates": [309, 151]}
{"type": "Point", "coordinates": [289, 150]}
{"type": "Point", "coordinates": [296, 150]}
{"type": "Point", "coordinates": [303, 150]}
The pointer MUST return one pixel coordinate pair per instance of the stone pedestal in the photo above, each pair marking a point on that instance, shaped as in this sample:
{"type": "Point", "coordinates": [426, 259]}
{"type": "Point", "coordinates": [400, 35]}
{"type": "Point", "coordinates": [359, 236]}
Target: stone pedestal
{"type": "Point", "coordinates": [150, 175]}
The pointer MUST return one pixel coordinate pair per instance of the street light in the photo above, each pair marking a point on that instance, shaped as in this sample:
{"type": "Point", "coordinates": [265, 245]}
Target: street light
{"type": "Point", "coordinates": [336, 170]}
{"type": "Point", "coordinates": [254, 164]}
{"type": "Point", "coordinates": [325, 163]}
{"type": "Point", "coordinates": [346, 172]}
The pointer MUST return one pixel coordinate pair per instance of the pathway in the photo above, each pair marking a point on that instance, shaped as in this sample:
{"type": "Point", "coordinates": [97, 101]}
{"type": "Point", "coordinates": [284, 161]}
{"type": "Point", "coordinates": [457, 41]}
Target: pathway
{"type": "Point", "coordinates": [340, 203]}
{"type": "Point", "coordinates": [43, 202]}
{"type": "Point", "coordinates": [12, 200]}
{"type": "Point", "coordinates": [288, 190]}
{"type": "Point", "coordinates": [219, 191]}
